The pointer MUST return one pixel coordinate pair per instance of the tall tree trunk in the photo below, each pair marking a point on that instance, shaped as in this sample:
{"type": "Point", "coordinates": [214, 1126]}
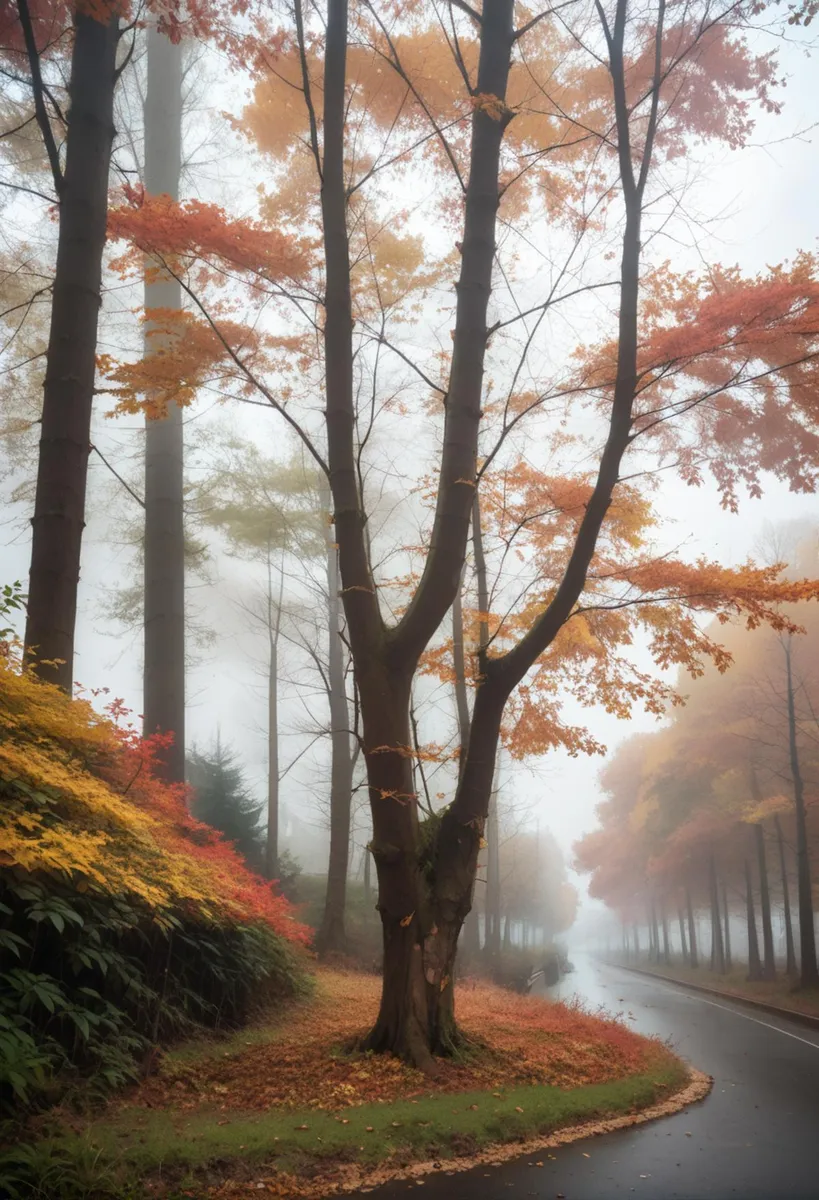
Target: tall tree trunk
{"type": "Point", "coordinates": [754, 964]}
{"type": "Point", "coordinates": [655, 931]}
{"type": "Point", "coordinates": [683, 941]}
{"type": "Point", "coordinates": [472, 943]}
{"type": "Point", "coordinates": [786, 902]}
{"type": "Point", "coordinates": [507, 933]}
{"type": "Point", "coordinates": [164, 579]}
{"type": "Point", "coordinates": [68, 390]}
{"type": "Point", "coordinates": [769, 959]}
{"type": "Point", "coordinates": [367, 876]}
{"type": "Point", "coordinates": [332, 935]}
{"type": "Point", "coordinates": [666, 946]}
{"type": "Point", "coordinates": [271, 857]}
{"type": "Point", "coordinates": [420, 926]}
{"type": "Point", "coordinates": [459, 665]}
{"type": "Point", "coordinates": [692, 931]}
{"type": "Point", "coordinates": [274, 616]}
{"type": "Point", "coordinates": [717, 947]}
{"type": "Point", "coordinates": [726, 916]}
{"type": "Point", "coordinates": [500, 674]}
{"type": "Point", "coordinates": [808, 974]}
{"type": "Point", "coordinates": [492, 945]}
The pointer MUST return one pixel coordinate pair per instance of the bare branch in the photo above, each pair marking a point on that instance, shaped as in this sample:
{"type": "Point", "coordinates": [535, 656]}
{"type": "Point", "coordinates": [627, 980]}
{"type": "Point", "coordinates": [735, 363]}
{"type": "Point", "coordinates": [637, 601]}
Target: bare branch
{"type": "Point", "coordinates": [39, 92]}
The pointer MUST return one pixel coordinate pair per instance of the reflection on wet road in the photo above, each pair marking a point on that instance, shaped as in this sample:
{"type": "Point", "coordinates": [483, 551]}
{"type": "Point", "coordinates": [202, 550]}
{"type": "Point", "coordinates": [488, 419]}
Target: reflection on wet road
{"type": "Point", "coordinates": [756, 1137]}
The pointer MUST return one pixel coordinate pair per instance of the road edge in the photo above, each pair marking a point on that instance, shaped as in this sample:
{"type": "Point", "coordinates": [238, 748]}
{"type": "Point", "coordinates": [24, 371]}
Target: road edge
{"type": "Point", "coordinates": [695, 1090]}
{"type": "Point", "coordinates": [800, 1018]}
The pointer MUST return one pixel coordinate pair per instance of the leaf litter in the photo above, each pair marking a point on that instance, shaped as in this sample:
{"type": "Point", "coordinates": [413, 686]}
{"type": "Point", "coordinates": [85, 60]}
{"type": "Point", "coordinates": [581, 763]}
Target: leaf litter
{"type": "Point", "coordinates": [303, 1058]}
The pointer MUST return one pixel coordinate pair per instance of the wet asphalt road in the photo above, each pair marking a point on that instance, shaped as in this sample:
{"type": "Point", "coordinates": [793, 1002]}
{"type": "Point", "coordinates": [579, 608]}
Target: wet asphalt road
{"type": "Point", "coordinates": [756, 1137]}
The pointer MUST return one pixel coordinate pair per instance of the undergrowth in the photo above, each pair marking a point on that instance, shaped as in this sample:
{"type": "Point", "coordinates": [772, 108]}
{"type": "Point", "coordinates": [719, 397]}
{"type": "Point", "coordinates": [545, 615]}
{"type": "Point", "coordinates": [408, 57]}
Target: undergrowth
{"type": "Point", "coordinates": [124, 923]}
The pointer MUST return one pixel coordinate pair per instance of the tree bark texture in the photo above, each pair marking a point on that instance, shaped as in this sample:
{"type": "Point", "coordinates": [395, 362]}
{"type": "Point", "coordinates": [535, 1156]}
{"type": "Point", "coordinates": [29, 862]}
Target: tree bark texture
{"type": "Point", "coordinates": [754, 963]}
{"type": "Point", "coordinates": [164, 582]}
{"type": "Point", "coordinates": [790, 952]}
{"type": "Point", "coordinates": [68, 390]}
{"type": "Point", "coordinates": [332, 934]}
{"type": "Point", "coordinates": [426, 873]}
{"type": "Point", "coordinates": [422, 901]}
{"type": "Point", "coordinates": [808, 974]}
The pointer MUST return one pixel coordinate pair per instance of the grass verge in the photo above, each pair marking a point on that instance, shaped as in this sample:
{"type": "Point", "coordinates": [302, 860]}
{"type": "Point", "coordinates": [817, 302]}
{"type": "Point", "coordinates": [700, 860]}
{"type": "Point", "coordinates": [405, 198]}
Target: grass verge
{"type": "Point", "coordinates": [136, 1153]}
{"type": "Point", "coordinates": [783, 991]}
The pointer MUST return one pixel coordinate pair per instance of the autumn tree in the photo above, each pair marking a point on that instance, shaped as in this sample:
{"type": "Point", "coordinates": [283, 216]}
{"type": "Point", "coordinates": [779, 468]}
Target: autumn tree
{"type": "Point", "coordinates": [715, 786]}
{"type": "Point", "coordinates": [507, 111]}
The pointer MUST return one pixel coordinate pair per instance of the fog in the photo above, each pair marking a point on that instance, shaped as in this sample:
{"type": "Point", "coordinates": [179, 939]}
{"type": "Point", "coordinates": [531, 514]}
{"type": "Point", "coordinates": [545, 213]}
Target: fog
{"type": "Point", "coordinates": [752, 206]}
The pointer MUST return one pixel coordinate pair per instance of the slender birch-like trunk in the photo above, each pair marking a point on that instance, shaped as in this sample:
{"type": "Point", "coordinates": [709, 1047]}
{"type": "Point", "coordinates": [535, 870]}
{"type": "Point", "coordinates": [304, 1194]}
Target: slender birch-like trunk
{"type": "Point", "coordinates": [164, 571]}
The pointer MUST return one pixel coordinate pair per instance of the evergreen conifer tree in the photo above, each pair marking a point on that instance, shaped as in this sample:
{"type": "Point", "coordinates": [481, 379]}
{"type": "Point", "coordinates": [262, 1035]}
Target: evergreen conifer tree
{"type": "Point", "coordinates": [221, 799]}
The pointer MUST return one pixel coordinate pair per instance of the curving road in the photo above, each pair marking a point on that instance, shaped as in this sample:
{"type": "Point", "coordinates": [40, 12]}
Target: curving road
{"type": "Point", "coordinates": [756, 1137]}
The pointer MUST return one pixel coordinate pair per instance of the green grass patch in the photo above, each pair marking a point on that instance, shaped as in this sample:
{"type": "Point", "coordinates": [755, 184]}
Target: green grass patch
{"type": "Point", "coordinates": [118, 1155]}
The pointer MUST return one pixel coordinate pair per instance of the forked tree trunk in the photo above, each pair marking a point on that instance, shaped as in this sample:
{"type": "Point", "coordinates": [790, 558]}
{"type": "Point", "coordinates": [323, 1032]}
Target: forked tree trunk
{"type": "Point", "coordinates": [790, 953]}
{"type": "Point", "coordinates": [754, 964]}
{"type": "Point", "coordinates": [420, 929]}
{"type": "Point", "coordinates": [421, 922]}
{"type": "Point", "coordinates": [769, 959]}
{"type": "Point", "coordinates": [692, 931]}
{"type": "Point", "coordinates": [683, 941]}
{"type": "Point", "coordinates": [68, 389]}
{"type": "Point", "coordinates": [164, 579]}
{"type": "Point", "coordinates": [808, 974]}
{"type": "Point", "coordinates": [717, 948]}
{"type": "Point", "coordinates": [332, 934]}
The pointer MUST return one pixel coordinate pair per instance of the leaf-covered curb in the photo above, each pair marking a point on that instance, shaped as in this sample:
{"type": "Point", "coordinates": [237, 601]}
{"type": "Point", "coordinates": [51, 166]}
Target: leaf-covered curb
{"type": "Point", "coordinates": [696, 1089]}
